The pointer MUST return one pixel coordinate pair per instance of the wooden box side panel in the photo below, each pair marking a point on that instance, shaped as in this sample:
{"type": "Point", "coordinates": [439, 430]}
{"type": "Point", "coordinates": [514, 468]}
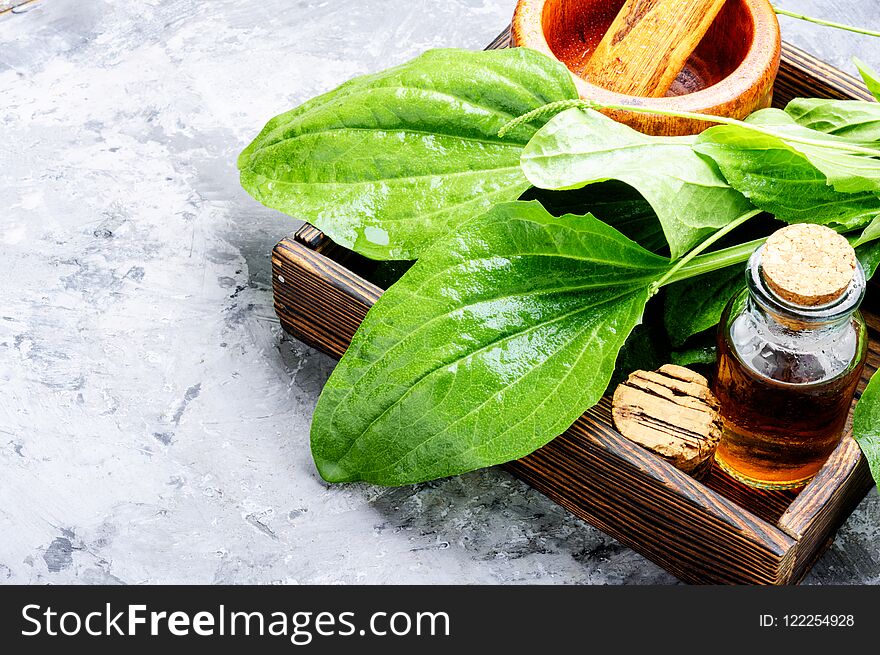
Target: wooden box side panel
{"type": "Point", "coordinates": [801, 75]}
{"type": "Point", "coordinates": [317, 300]}
{"type": "Point", "coordinates": [820, 509]}
{"type": "Point", "coordinates": [660, 512]}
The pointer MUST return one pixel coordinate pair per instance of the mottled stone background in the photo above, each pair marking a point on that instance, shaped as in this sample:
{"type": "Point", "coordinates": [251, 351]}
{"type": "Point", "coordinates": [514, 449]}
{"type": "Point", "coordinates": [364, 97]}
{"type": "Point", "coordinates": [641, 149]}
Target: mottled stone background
{"type": "Point", "coordinates": [153, 418]}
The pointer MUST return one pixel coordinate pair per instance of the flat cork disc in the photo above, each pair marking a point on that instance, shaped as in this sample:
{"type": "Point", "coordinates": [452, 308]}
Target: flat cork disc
{"type": "Point", "coordinates": [808, 264]}
{"type": "Point", "coordinates": [672, 413]}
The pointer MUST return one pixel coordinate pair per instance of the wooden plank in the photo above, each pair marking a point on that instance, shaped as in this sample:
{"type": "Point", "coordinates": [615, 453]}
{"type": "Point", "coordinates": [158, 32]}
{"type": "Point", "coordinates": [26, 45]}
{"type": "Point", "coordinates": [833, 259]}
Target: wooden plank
{"type": "Point", "coordinates": [769, 505]}
{"type": "Point", "coordinates": [823, 505]}
{"type": "Point", "coordinates": [801, 75]}
{"type": "Point", "coordinates": [670, 517]}
{"type": "Point", "coordinates": [318, 298]}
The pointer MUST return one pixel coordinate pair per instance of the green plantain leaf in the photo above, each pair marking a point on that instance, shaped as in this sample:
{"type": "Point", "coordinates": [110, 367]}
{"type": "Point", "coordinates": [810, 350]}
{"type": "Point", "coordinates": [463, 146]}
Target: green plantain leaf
{"type": "Point", "coordinates": [695, 304]}
{"type": "Point", "coordinates": [388, 162]}
{"type": "Point", "coordinates": [870, 233]}
{"type": "Point", "coordinates": [779, 179]}
{"type": "Point", "coordinates": [612, 202]}
{"type": "Point", "coordinates": [646, 349]}
{"type": "Point", "coordinates": [856, 120]}
{"type": "Point", "coordinates": [869, 257]}
{"type": "Point", "coordinates": [845, 171]}
{"type": "Point", "coordinates": [866, 425]}
{"type": "Point", "coordinates": [706, 353]}
{"type": "Point", "coordinates": [579, 147]}
{"type": "Point", "coordinates": [491, 345]}
{"type": "Point", "coordinates": [701, 348]}
{"type": "Point", "coordinates": [870, 76]}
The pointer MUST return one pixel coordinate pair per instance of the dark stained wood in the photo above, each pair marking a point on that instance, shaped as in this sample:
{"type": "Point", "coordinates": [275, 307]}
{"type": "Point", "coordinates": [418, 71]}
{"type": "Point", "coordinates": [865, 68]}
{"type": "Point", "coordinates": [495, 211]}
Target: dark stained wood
{"type": "Point", "coordinates": [717, 530]}
{"type": "Point", "coordinates": [314, 239]}
{"type": "Point", "coordinates": [767, 505]}
{"type": "Point", "coordinates": [803, 76]}
{"type": "Point", "coordinates": [668, 516]}
{"type": "Point", "coordinates": [317, 299]}
{"type": "Point", "coordinates": [817, 512]}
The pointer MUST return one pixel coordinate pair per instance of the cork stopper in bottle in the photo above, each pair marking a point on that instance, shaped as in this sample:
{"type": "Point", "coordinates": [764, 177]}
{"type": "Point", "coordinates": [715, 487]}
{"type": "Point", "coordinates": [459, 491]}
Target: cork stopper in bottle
{"type": "Point", "coordinates": [807, 264]}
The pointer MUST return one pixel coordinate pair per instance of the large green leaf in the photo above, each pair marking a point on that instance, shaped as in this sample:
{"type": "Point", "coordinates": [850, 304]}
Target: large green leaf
{"type": "Point", "coordinates": [870, 76]}
{"type": "Point", "coordinates": [869, 257]}
{"type": "Point", "coordinates": [856, 120]}
{"type": "Point", "coordinates": [646, 349]}
{"type": "Point", "coordinates": [388, 162]}
{"type": "Point", "coordinates": [866, 425]}
{"type": "Point", "coordinates": [695, 304]}
{"type": "Point", "coordinates": [492, 344]}
{"type": "Point", "coordinates": [845, 171]}
{"type": "Point", "coordinates": [579, 147]}
{"type": "Point", "coordinates": [778, 178]}
{"type": "Point", "coordinates": [701, 349]}
{"type": "Point", "coordinates": [612, 202]}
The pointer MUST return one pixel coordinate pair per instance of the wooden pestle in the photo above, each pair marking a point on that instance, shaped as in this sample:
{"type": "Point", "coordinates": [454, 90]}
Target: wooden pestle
{"type": "Point", "coordinates": [648, 43]}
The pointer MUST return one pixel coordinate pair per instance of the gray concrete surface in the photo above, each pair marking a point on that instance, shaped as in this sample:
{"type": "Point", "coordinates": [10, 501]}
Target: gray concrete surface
{"type": "Point", "coordinates": [153, 418]}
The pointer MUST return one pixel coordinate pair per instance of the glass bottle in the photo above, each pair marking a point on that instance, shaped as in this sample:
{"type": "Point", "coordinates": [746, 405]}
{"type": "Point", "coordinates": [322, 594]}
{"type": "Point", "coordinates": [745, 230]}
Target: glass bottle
{"type": "Point", "coordinates": [787, 372]}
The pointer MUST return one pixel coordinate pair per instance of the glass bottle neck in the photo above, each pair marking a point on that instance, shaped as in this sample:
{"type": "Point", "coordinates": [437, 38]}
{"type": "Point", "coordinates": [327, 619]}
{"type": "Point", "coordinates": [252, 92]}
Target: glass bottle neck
{"type": "Point", "coordinates": [778, 314]}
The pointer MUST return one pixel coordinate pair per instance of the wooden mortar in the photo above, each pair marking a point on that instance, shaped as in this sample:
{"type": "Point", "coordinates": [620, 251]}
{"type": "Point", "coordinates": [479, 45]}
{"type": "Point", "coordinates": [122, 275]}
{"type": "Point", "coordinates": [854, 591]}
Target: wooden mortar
{"type": "Point", "coordinates": [730, 73]}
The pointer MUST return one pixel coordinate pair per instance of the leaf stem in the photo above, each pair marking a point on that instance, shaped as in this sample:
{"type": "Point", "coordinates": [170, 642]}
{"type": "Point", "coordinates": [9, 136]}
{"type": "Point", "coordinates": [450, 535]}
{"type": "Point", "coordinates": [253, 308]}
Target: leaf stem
{"type": "Point", "coordinates": [684, 261]}
{"type": "Point", "coordinates": [544, 110]}
{"type": "Point", "coordinates": [725, 257]}
{"type": "Point", "coordinates": [592, 104]}
{"type": "Point", "coordinates": [826, 23]}
{"type": "Point", "coordinates": [714, 261]}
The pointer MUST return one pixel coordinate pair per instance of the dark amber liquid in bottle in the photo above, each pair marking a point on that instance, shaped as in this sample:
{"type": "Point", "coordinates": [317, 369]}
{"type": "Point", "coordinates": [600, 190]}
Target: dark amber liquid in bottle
{"type": "Point", "coordinates": [785, 395]}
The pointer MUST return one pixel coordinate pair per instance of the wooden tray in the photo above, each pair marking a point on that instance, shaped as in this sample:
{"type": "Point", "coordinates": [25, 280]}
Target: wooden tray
{"type": "Point", "coordinates": [714, 531]}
